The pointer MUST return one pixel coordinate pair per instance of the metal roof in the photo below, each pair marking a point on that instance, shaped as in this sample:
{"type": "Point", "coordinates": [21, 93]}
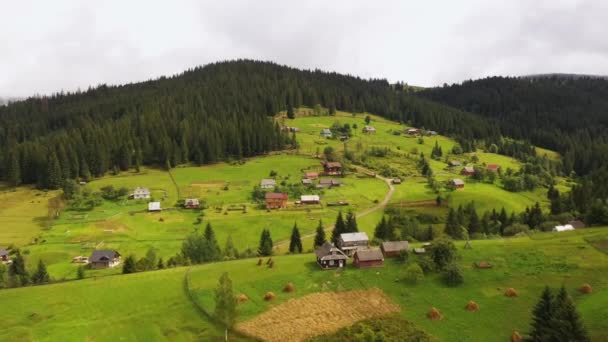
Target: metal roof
{"type": "Point", "coordinates": [350, 237]}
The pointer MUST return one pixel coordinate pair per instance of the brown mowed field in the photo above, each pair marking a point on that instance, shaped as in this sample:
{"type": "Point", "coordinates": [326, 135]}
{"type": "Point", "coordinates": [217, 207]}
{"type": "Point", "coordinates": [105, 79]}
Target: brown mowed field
{"type": "Point", "coordinates": [317, 314]}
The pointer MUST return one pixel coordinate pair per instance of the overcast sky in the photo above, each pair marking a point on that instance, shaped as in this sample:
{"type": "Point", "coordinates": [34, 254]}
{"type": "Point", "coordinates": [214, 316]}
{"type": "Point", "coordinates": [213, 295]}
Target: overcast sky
{"type": "Point", "coordinates": [47, 46]}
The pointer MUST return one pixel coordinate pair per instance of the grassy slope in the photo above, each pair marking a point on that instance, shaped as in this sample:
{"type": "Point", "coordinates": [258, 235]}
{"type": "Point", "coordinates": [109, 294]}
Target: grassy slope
{"type": "Point", "coordinates": [78, 310]}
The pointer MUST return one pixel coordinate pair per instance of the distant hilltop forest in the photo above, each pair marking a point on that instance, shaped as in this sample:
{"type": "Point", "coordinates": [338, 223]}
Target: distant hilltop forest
{"type": "Point", "coordinates": [225, 111]}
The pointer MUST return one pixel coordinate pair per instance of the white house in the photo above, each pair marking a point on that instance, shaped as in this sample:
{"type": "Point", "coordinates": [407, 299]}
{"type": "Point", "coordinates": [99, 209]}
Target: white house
{"type": "Point", "coordinates": [268, 183]}
{"type": "Point", "coordinates": [326, 132]}
{"type": "Point", "coordinates": [154, 206]}
{"type": "Point", "coordinates": [563, 228]}
{"type": "Point", "coordinates": [141, 193]}
{"type": "Point", "coordinates": [310, 199]}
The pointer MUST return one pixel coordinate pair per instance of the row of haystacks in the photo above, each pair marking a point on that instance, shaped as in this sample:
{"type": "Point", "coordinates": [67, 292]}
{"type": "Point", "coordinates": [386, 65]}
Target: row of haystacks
{"type": "Point", "coordinates": [268, 296]}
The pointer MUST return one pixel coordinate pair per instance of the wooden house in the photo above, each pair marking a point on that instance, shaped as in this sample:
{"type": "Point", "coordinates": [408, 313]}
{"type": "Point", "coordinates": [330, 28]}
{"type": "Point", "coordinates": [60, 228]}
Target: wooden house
{"type": "Point", "coordinates": [306, 181]}
{"type": "Point", "coordinates": [351, 242]}
{"type": "Point", "coordinates": [431, 133]}
{"type": "Point", "coordinates": [312, 175]}
{"type": "Point", "coordinates": [276, 200]}
{"type": "Point", "coordinates": [310, 199]}
{"type": "Point", "coordinates": [268, 183]}
{"type": "Point", "coordinates": [364, 258]}
{"type": "Point", "coordinates": [141, 193]}
{"type": "Point", "coordinates": [332, 168]}
{"type": "Point", "coordinates": [326, 133]}
{"type": "Point", "coordinates": [457, 183]}
{"type": "Point", "coordinates": [392, 249]}
{"type": "Point", "coordinates": [330, 257]}
{"type": "Point", "coordinates": [104, 259]}
{"type": "Point", "coordinates": [369, 130]}
{"type": "Point", "coordinates": [328, 183]}
{"type": "Point", "coordinates": [396, 180]}
{"type": "Point", "coordinates": [493, 167]}
{"type": "Point", "coordinates": [192, 203]}
{"type": "Point", "coordinates": [454, 163]}
{"type": "Point", "coordinates": [4, 256]}
{"type": "Point", "coordinates": [412, 131]}
{"type": "Point", "coordinates": [154, 207]}
{"type": "Point", "coordinates": [467, 171]}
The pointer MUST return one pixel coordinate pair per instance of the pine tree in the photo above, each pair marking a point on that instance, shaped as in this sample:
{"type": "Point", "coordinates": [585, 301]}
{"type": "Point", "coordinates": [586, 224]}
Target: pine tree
{"type": "Point", "coordinates": [290, 113]}
{"type": "Point", "coordinates": [320, 235]}
{"type": "Point", "coordinates": [542, 315]}
{"type": "Point", "coordinates": [13, 169]}
{"type": "Point", "coordinates": [351, 222]}
{"type": "Point", "coordinates": [41, 276]}
{"type": "Point", "coordinates": [452, 227]}
{"type": "Point", "coordinates": [80, 272]}
{"type": "Point", "coordinates": [225, 301]}
{"type": "Point", "coordinates": [339, 228]}
{"type": "Point", "coordinates": [213, 253]}
{"type": "Point", "coordinates": [382, 229]}
{"type": "Point", "coordinates": [265, 247]}
{"type": "Point", "coordinates": [129, 265]}
{"type": "Point", "coordinates": [295, 243]}
{"type": "Point", "coordinates": [474, 224]}
{"type": "Point", "coordinates": [17, 271]}
{"type": "Point", "coordinates": [230, 251]}
{"type": "Point", "coordinates": [54, 179]}
{"type": "Point", "coordinates": [567, 324]}
{"type": "Point", "coordinates": [161, 264]}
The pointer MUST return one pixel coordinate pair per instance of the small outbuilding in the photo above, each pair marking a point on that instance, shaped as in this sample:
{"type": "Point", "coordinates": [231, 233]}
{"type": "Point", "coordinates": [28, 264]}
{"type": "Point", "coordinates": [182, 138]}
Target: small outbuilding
{"type": "Point", "coordinates": [154, 206]}
{"type": "Point", "coordinates": [412, 131]}
{"type": "Point", "coordinates": [141, 193]}
{"type": "Point", "coordinates": [364, 258]}
{"type": "Point", "coordinates": [457, 183]}
{"type": "Point", "coordinates": [328, 183]}
{"type": "Point", "coordinates": [468, 171]}
{"type": "Point", "coordinates": [191, 203]}
{"type": "Point", "coordinates": [268, 183]}
{"type": "Point", "coordinates": [392, 249]}
{"type": "Point", "coordinates": [396, 180]}
{"type": "Point", "coordinates": [312, 175]}
{"type": "Point", "coordinates": [276, 200]}
{"type": "Point", "coordinates": [351, 242]}
{"type": "Point", "coordinates": [4, 256]}
{"type": "Point", "coordinates": [493, 167]}
{"type": "Point", "coordinates": [310, 199]}
{"type": "Point", "coordinates": [306, 181]}
{"type": "Point", "coordinates": [454, 163]}
{"type": "Point", "coordinates": [80, 260]}
{"type": "Point", "coordinates": [563, 228]}
{"type": "Point", "coordinates": [420, 250]}
{"type": "Point", "coordinates": [369, 129]}
{"type": "Point", "coordinates": [104, 259]}
{"type": "Point", "coordinates": [330, 256]}
{"type": "Point", "coordinates": [326, 133]}
{"type": "Point", "coordinates": [577, 224]}
{"type": "Point", "coordinates": [332, 168]}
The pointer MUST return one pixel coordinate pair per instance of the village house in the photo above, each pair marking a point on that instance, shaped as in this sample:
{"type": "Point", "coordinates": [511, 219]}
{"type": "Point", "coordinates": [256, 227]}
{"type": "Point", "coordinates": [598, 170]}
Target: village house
{"type": "Point", "coordinates": [154, 206]}
{"type": "Point", "coordinates": [311, 175]}
{"type": "Point", "coordinates": [306, 181]}
{"type": "Point", "coordinates": [392, 249]}
{"type": "Point", "coordinates": [493, 167]}
{"type": "Point", "coordinates": [396, 181]}
{"type": "Point", "coordinates": [332, 168]}
{"type": "Point", "coordinates": [368, 258]}
{"type": "Point", "coordinates": [80, 260]}
{"type": "Point", "coordinates": [268, 183]}
{"type": "Point", "coordinates": [467, 171]}
{"type": "Point", "coordinates": [563, 228]}
{"type": "Point", "coordinates": [328, 183]}
{"type": "Point", "coordinates": [457, 183]}
{"type": "Point", "coordinates": [141, 193]}
{"type": "Point", "coordinates": [4, 255]}
{"type": "Point", "coordinates": [454, 163]}
{"type": "Point", "coordinates": [351, 242]}
{"type": "Point", "coordinates": [412, 131]}
{"type": "Point", "coordinates": [104, 259]}
{"type": "Point", "coordinates": [276, 200]}
{"type": "Point", "coordinates": [191, 203]}
{"type": "Point", "coordinates": [330, 257]}
{"type": "Point", "coordinates": [431, 133]}
{"type": "Point", "coordinates": [369, 129]}
{"type": "Point", "coordinates": [326, 133]}
{"type": "Point", "coordinates": [310, 199]}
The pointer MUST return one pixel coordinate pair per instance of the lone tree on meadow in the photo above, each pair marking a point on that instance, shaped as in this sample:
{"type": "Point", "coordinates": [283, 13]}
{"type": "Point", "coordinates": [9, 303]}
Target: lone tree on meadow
{"type": "Point", "coordinates": [225, 302]}
{"type": "Point", "coordinates": [265, 248]}
{"type": "Point", "coordinates": [555, 318]}
{"type": "Point", "coordinates": [320, 238]}
{"type": "Point", "coordinates": [443, 253]}
{"type": "Point", "coordinates": [339, 228]}
{"type": "Point", "coordinates": [295, 243]}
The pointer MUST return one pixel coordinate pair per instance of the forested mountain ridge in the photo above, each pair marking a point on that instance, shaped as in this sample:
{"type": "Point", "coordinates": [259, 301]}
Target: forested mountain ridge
{"type": "Point", "coordinates": [203, 115]}
{"type": "Point", "coordinates": [569, 115]}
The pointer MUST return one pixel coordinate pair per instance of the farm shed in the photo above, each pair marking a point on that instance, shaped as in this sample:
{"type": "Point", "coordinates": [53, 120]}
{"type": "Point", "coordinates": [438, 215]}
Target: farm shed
{"type": "Point", "coordinates": [311, 175]}
{"type": "Point", "coordinates": [192, 203]}
{"type": "Point", "coordinates": [328, 183]}
{"type": "Point", "coordinates": [104, 259]}
{"type": "Point", "coordinates": [493, 167]}
{"type": "Point", "coordinates": [276, 200]}
{"type": "Point", "coordinates": [467, 171]}
{"type": "Point", "coordinates": [154, 206]}
{"type": "Point", "coordinates": [412, 131]}
{"type": "Point", "coordinates": [454, 163]}
{"type": "Point", "coordinates": [268, 183]}
{"type": "Point", "coordinates": [351, 242]}
{"type": "Point", "coordinates": [141, 193]}
{"type": "Point", "coordinates": [419, 250]}
{"type": "Point", "coordinates": [332, 168]}
{"type": "Point", "coordinates": [563, 228]}
{"type": "Point", "coordinates": [4, 254]}
{"type": "Point", "coordinates": [369, 129]}
{"type": "Point", "coordinates": [431, 133]}
{"type": "Point", "coordinates": [307, 181]}
{"type": "Point", "coordinates": [329, 256]}
{"type": "Point", "coordinates": [457, 183]}
{"type": "Point", "coordinates": [80, 260]}
{"type": "Point", "coordinates": [310, 199]}
{"type": "Point", "coordinates": [577, 224]}
{"type": "Point", "coordinates": [368, 258]}
{"type": "Point", "coordinates": [326, 132]}
{"type": "Point", "coordinates": [392, 249]}
{"type": "Point", "coordinates": [396, 181]}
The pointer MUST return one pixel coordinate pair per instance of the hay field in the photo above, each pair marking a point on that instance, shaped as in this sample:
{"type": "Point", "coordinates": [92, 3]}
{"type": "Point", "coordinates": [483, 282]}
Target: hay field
{"type": "Point", "coordinates": [317, 314]}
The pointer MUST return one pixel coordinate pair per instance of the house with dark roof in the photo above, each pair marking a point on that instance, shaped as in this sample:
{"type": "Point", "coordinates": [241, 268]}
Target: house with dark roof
{"type": "Point", "coordinates": [104, 259]}
{"type": "Point", "coordinates": [330, 257]}
{"type": "Point", "coordinates": [392, 249]}
{"type": "Point", "coordinates": [364, 258]}
{"type": "Point", "coordinates": [276, 200]}
{"type": "Point", "coordinates": [332, 168]}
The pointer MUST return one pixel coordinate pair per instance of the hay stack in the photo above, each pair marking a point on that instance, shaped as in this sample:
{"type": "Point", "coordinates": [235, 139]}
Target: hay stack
{"type": "Point", "coordinates": [269, 296]}
{"type": "Point", "coordinates": [511, 292]}
{"type": "Point", "coordinates": [586, 288]}
{"type": "Point", "coordinates": [434, 314]}
{"type": "Point", "coordinates": [516, 337]}
{"type": "Point", "coordinates": [472, 306]}
{"type": "Point", "coordinates": [241, 298]}
{"type": "Point", "coordinates": [288, 287]}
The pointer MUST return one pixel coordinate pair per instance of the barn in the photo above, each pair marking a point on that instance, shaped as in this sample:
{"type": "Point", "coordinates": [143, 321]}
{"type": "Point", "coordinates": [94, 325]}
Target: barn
{"type": "Point", "coordinates": [392, 249]}
{"type": "Point", "coordinates": [368, 258]}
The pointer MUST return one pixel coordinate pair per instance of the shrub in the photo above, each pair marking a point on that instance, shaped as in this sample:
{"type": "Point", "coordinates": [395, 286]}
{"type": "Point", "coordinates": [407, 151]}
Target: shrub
{"type": "Point", "coordinates": [452, 276]}
{"type": "Point", "coordinates": [414, 273]}
{"type": "Point", "coordinates": [426, 264]}
{"type": "Point", "coordinates": [516, 228]}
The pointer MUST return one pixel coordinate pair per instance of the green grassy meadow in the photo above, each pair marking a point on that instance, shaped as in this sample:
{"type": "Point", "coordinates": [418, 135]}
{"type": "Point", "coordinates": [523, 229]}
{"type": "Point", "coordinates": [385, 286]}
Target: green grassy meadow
{"type": "Point", "coordinates": [95, 308]}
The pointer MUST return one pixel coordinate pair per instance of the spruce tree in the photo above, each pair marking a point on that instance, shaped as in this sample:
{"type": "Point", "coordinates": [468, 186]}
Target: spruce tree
{"type": "Point", "coordinates": [567, 324]}
{"type": "Point", "coordinates": [542, 316]}
{"type": "Point", "coordinates": [54, 179]}
{"type": "Point", "coordinates": [320, 238]}
{"type": "Point", "coordinates": [452, 227]}
{"type": "Point", "coordinates": [290, 112]}
{"type": "Point", "coordinates": [161, 264]}
{"type": "Point", "coordinates": [381, 229]}
{"type": "Point", "coordinates": [13, 169]}
{"type": "Point", "coordinates": [80, 272]}
{"type": "Point", "coordinates": [265, 247]}
{"type": "Point", "coordinates": [339, 228]}
{"type": "Point", "coordinates": [41, 276]}
{"type": "Point", "coordinates": [213, 253]}
{"type": "Point", "coordinates": [129, 265]}
{"type": "Point", "coordinates": [17, 271]}
{"type": "Point", "coordinates": [295, 243]}
{"type": "Point", "coordinates": [225, 301]}
{"type": "Point", "coordinates": [230, 251]}
{"type": "Point", "coordinates": [351, 222]}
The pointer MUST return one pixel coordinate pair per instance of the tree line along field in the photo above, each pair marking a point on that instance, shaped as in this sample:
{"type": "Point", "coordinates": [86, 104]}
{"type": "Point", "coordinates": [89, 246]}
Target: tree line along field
{"type": "Point", "coordinates": [94, 308]}
{"type": "Point", "coordinates": [125, 226]}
